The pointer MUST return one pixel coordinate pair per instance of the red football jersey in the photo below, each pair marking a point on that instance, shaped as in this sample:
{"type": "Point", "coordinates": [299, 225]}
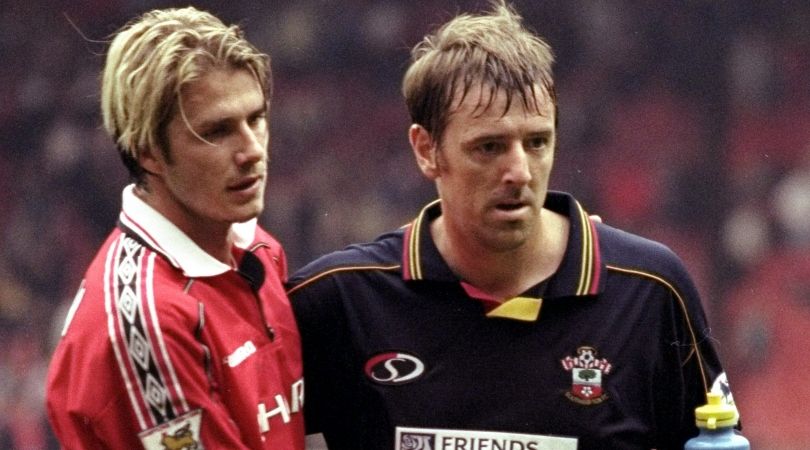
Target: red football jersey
{"type": "Point", "coordinates": [164, 346]}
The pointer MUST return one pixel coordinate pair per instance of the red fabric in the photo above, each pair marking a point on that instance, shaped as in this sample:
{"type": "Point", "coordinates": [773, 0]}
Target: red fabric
{"type": "Point", "coordinates": [96, 397]}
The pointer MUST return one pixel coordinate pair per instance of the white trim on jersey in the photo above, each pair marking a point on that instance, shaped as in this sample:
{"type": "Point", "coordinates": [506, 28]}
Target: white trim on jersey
{"type": "Point", "coordinates": [110, 306]}
{"type": "Point", "coordinates": [150, 298]}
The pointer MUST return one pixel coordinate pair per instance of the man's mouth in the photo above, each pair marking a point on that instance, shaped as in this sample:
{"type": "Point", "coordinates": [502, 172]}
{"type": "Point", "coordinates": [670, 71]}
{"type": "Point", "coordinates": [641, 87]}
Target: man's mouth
{"type": "Point", "coordinates": [511, 206]}
{"type": "Point", "coordinates": [244, 183]}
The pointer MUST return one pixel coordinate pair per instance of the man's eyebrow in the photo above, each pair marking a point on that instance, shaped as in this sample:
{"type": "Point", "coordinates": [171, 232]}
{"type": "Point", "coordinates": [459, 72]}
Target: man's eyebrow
{"type": "Point", "coordinates": [486, 137]}
{"type": "Point", "coordinates": [260, 110]}
{"type": "Point", "coordinates": [540, 131]}
{"type": "Point", "coordinates": [207, 123]}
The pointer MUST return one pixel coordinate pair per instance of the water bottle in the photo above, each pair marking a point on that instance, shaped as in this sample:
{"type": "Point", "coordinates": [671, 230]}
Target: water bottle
{"type": "Point", "coordinates": [716, 421]}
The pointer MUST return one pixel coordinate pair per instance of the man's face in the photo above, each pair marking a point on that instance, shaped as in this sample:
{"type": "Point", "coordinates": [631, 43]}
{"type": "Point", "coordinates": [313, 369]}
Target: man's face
{"type": "Point", "coordinates": [218, 167]}
{"type": "Point", "coordinates": [492, 170]}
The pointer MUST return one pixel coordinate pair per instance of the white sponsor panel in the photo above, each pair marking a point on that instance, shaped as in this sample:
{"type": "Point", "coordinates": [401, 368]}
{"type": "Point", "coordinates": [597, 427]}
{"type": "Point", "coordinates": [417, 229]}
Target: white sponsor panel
{"type": "Point", "coordinates": [446, 439]}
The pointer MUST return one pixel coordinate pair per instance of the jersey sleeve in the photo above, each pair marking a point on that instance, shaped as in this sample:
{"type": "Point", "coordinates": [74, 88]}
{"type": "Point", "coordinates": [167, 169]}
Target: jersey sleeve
{"type": "Point", "coordinates": [130, 372]}
{"type": "Point", "coordinates": [690, 365]}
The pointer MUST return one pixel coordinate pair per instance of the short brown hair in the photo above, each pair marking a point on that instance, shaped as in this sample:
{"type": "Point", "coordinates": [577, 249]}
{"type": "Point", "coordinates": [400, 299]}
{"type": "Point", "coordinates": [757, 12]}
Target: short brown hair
{"type": "Point", "coordinates": [493, 49]}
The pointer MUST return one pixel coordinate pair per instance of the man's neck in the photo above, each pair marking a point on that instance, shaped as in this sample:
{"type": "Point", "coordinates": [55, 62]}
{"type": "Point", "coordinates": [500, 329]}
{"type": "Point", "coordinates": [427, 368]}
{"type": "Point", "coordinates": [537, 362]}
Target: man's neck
{"type": "Point", "coordinates": [213, 238]}
{"type": "Point", "coordinates": [506, 274]}
{"type": "Point", "coordinates": [214, 241]}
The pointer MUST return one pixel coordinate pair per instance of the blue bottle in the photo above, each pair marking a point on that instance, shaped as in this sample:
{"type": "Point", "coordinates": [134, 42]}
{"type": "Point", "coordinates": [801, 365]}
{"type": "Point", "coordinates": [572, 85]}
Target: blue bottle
{"type": "Point", "coordinates": [716, 421]}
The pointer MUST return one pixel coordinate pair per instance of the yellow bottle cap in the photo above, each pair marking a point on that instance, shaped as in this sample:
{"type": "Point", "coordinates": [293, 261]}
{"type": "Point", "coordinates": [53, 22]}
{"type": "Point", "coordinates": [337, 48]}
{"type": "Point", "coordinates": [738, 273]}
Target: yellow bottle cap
{"type": "Point", "coordinates": [716, 414]}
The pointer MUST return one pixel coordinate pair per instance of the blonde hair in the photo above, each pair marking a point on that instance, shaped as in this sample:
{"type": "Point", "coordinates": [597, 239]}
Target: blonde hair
{"type": "Point", "coordinates": [151, 59]}
{"type": "Point", "coordinates": [493, 49]}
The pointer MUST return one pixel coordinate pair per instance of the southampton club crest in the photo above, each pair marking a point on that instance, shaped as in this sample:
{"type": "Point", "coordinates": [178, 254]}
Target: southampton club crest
{"type": "Point", "coordinates": [587, 373]}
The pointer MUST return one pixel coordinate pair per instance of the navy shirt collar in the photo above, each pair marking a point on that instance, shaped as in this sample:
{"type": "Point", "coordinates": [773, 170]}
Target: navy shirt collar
{"type": "Point", "coordinates": [581, 271]}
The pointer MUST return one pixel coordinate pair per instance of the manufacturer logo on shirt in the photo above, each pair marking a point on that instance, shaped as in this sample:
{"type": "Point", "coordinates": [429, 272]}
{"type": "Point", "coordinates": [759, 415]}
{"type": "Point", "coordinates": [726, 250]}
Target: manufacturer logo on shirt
{"type": "Point", "coordinates": [587, 372]}
{"type": "Point", "coordinates": [444, 439]}
{"type": "Point", "coordinates": [392, 368]}
{"type": "Point", "coordinates": [240, 354]}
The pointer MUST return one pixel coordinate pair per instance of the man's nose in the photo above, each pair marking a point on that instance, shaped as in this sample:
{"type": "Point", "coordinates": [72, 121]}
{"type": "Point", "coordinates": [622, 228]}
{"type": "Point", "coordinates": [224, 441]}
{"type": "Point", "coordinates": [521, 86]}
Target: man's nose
{"type": "Point", "coordinates": [252, 147]}
{"type": "Point", "coordinates": [516, 165]}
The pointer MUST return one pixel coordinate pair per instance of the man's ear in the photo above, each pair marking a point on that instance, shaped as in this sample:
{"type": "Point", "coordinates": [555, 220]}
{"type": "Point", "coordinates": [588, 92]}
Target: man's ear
{"type": "Point", "coordinates": [424, 148]}
{"type": "Point", "coordinates": [151, 160]}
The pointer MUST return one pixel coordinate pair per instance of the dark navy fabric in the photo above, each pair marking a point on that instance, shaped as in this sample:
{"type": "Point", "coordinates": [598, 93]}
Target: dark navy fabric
{"type": "Point", "coordinates": [621, 313]}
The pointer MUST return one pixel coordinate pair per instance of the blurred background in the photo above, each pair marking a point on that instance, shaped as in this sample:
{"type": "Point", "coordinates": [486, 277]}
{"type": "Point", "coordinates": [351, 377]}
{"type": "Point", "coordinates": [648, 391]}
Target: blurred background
{"type": "Point", "coordinates": [684, 121]}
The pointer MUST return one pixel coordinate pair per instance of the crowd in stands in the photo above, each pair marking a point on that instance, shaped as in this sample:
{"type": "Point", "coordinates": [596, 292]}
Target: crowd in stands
{"type": "Point", "coordinates": [686, 122]}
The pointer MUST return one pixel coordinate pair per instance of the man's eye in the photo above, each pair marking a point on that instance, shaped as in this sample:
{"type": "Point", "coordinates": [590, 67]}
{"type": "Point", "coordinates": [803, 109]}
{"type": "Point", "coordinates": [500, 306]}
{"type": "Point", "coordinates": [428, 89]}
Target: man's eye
{"type": "Point", "coordinates": [489, 147]}
{"type": "Point", "coordinates": [214, 133]}
{"type": "Point", "coordinates": [258, 119]}
{"type": "Point", "coordinates": [538, 142]}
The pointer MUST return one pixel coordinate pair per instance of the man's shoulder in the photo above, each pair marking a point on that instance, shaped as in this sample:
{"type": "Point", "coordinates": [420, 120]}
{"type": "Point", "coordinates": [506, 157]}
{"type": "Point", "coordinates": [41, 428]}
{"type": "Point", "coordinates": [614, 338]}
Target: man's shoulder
{"type": "Point", "coordinates": [616, 246]}
{"type": "Point", "coordinates": [383, 252]}
{"type": "Point", "coordinates": [126, 265]}
{"type": "Point", "coordinates": [126, 278]}
{"type": "Point", "coordinates": [624, 249]}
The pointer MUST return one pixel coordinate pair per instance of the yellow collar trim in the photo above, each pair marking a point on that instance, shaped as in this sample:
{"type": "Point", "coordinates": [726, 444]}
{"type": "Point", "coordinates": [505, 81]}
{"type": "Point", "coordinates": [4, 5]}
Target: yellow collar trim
{"type": "Point", "coordinates": [525, 309]}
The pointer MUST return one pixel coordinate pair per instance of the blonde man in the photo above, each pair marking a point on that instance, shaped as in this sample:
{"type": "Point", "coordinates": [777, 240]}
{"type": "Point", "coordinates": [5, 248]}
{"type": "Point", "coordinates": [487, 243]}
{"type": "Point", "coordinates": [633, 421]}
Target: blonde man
{"type": "Point", "coordinates": [181, 335]}
{"type": "Point", "coordinates": [502, 317]}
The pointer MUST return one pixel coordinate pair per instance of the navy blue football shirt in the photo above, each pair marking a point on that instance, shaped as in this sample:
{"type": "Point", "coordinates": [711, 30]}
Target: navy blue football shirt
{"type": "Point", "coordinates": [612, 351]}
